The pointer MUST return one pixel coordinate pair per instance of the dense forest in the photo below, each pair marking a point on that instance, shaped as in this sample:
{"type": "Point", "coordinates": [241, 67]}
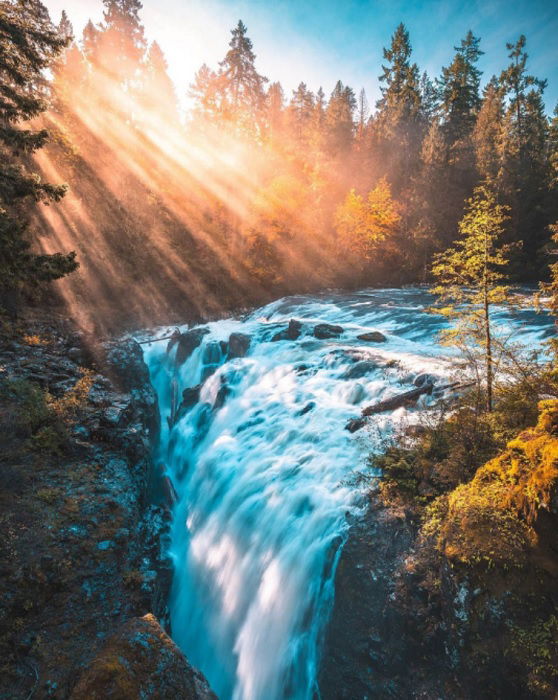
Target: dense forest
{"type": "Point", "coordinates": [253, 193]}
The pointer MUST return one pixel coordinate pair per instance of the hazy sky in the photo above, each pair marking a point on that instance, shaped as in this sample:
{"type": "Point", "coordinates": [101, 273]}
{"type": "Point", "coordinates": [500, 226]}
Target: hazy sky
{"type": "Point", "coordinates": [321, 41]}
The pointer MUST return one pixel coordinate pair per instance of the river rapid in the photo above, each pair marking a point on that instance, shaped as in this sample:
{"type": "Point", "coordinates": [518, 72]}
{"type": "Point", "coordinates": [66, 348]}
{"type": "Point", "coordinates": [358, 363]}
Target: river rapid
{"type": "Point", "coordinates": [265, 472]}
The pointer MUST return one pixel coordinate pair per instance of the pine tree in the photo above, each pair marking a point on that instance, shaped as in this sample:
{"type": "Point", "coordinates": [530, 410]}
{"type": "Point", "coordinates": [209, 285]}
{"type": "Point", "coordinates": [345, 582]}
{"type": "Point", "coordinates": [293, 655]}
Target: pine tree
{"type": "Point", "coordinates": [206, 95]}
{"type": "Point", "coordinates": [243, 86]}
{"type": "Point", "coordinates": [122, 42]}
{"type": "Point", "coordinates": [28, 46]}
{"type": "Point", "coordinates": [470, 280]}
{"type": "Point", "coordinates": [525, 172]}
{"type": "Point", "coordinates": [399, 109]}
{"type": "Point", "coordinates": [488, 134]}
{"type": "Point", "coordinates": [90, 43]}
{"type": "Point", "coordinates": [553, 149]}
{"type": "Point", "coordinates": [517, 84]}
{"type": "Point", "coordinates": [339, 122]}
{"type": "Point", "coordinates": [158, 88]}
{"type": "Point", "coordinates": [429, 98]}
{"type": "Point", "coordinates": [300, 113]}
{"type": "Point", "coordinates": [275, 112]}
{"type": "Point", "coordinates": [363, 113]}
{"type": "Point", "coordinates": [458, 89]}
{"type": "Point", "coordinates": [431, 192]}
{"type": "Point", "coordinates": [69, 69]}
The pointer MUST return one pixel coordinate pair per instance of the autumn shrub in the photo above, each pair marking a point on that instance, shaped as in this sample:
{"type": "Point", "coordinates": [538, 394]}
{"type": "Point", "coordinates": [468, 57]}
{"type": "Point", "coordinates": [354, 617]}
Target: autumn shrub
{"type": "Point", "coordinates": [41, 420]}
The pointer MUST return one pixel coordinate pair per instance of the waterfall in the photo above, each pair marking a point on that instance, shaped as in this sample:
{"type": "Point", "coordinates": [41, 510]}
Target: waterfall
{"type": "Point", "coordinates": [264, 471]}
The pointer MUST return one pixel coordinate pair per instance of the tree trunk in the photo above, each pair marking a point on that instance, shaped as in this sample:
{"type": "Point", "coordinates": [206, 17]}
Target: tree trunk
{"type": "Point", "coordinates": [488, 338]}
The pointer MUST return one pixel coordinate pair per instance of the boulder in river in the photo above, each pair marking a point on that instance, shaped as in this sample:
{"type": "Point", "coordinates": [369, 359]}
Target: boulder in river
{"type": "Point", "coordinates": [190, 398]}
{"type": "Point", "coordinates": [422, 379]}
{"type": "Point", "coordinates": [327, 330]}
{"type": "Point", "coordinates": [291, 332]}
{"type": "Point", "coordinates": [359, 369]}
{"type": "Point", "coordinates": [212, 353]}
{"type": "Point", "coordinates": [238, 345]}
{"type": "Point", "coordinates": [372, 337]}
{"type": "Point", "coordinates": [188, 342]}
{"type": "Point", "coordinates": [309, 406]}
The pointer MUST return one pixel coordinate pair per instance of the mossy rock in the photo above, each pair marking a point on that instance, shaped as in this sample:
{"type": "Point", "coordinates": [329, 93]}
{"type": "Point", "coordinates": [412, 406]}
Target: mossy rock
{"type": "Point", "coordinates": [141, 661]}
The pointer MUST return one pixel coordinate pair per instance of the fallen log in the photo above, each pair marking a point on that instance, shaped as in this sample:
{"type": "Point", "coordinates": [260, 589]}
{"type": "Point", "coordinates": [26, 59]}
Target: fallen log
{"type": "Point", "coordinates": [397, 401]}
{"type": "Point", "coordinates": [400, 400]}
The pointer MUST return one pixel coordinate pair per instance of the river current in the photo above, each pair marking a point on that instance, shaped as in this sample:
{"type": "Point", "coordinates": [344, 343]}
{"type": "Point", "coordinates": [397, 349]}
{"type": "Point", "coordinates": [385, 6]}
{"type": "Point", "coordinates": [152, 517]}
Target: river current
{"type": "Point", "coordinates": [264, 471]}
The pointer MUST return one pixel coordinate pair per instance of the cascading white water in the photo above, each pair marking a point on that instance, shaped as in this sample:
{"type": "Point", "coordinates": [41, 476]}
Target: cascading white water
{"type": "Point", "coordinates": [262, 468]}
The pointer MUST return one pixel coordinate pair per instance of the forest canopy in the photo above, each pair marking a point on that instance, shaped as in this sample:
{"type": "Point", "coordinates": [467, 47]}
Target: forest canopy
{"type": "Point", "coordinates": [253, 192]}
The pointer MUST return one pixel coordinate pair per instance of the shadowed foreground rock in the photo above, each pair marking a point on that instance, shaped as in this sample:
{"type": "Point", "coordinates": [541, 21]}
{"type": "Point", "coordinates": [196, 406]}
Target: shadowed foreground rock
{"type": "Point", "coordinates": [141, 661]}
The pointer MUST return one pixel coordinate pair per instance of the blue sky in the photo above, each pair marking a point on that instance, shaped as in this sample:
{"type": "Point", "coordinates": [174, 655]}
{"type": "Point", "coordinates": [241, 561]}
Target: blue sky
{"type": "Point", "coordinates": [321, 41]}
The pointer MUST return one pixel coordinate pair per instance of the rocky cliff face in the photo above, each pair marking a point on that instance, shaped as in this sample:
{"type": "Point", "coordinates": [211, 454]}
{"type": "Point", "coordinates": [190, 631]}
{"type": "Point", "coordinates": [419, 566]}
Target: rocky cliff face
{"type": "Point", "coordinates": [409, 623]}
{"type": "Point", "coordinates": [377, 646]}
{"type": "Point", "coordinates": [83, 547]}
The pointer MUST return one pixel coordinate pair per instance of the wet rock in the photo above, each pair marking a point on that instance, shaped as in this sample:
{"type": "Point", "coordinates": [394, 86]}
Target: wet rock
{"type": "Point", "coordinates": [190, 397]}
{"type": "Point", "coordinates": [372, 337]}
{"type": "Point", "coordinates": [355, 424]}
{"type": "Point", "coordinates": [238, 345]}
{"type": "Point", "coordinates": [309, 406]}
{"type": "Point", "coordinates": [222, 395]}
{"type": "Point", "coordinates": [188, 342]}
{"type": "Point", "coordinates": [141, 661]}
{"type": "Point", "coordinates": [291, 332]}
{"type": "Point", "coordinates": [360, 369]}
{"type": "Point", "coordinates": [324, 331]}
{"type": "Point", "coordinates": [423, 379]}
{"type": "Point", "coordinates": [212, 353]}
{"type": "Point", "coordinates": [125, 360]}
{"type": "Point", "coordinates": [356, 394]}
{"type": "Point", "coordinates": [169, 492]}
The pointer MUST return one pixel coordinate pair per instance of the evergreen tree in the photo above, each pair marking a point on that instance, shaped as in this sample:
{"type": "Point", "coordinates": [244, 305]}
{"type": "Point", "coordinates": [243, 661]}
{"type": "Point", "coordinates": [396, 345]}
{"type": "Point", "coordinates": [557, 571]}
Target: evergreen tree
{"type": "Point", "coordinates": [158, 88]}
{"type": "Point", "coordinates": [28, 46]}
{"type": "Point", "coordinates": [429, 98]}
{"type": "Point", "coordinates": [517, 84]}
{"type": "Point", "coordinates": [69, 69]}
{"type": "Point", "coordinates": [300, 113]}
{"type": "Point", "coordinates": [553, 149]}
{"type": "Point", "coordinates": [431, 192]}
{"type": "Point", "coordinates": [339, 122]}
{"type": "Point", "coordinates": [470, 280]}
{"type": "Point", "coordinates": [459, 89]}
{"type": "Point", "coordinates": [363, 113]}
{"type": "Point", "coordinates": [242, 84]}
{"type": "Point", "coordinates": [399, 109]}
{"type": "Point", "coordinates": [206, 94]}
{"type": "Point", "coordinates": [488, 134]}
{"type": "Point", "coordinates": [122, 43]}
{"type": "Point", "coordinates": [525, 173]}
{"type": "Point", "coordinates": [275, 112]}
{"type": "Point", "coordinates": [90, 43]}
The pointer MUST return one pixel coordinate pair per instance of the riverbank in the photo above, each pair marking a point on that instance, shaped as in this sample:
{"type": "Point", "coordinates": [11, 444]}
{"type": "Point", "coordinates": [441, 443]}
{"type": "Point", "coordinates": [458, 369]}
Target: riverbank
{"type": "Point", "coordinates": [447, 584]}
{"type": "Point", "coordinates": [83, 550]}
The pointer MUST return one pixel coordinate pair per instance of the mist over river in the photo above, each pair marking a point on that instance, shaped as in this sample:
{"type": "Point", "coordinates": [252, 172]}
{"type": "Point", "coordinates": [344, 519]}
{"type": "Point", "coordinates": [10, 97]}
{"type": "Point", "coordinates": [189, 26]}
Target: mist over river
{"type": "Point", "coordinates": [264, 469]}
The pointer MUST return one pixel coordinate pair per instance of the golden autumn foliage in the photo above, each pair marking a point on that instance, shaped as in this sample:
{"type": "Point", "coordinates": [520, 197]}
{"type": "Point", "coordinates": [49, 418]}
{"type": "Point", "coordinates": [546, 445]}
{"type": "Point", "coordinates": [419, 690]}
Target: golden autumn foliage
{"type": "Point", "coordinates": [364, 223]}
{"type": "Point", "coordinates": [489, 520]}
